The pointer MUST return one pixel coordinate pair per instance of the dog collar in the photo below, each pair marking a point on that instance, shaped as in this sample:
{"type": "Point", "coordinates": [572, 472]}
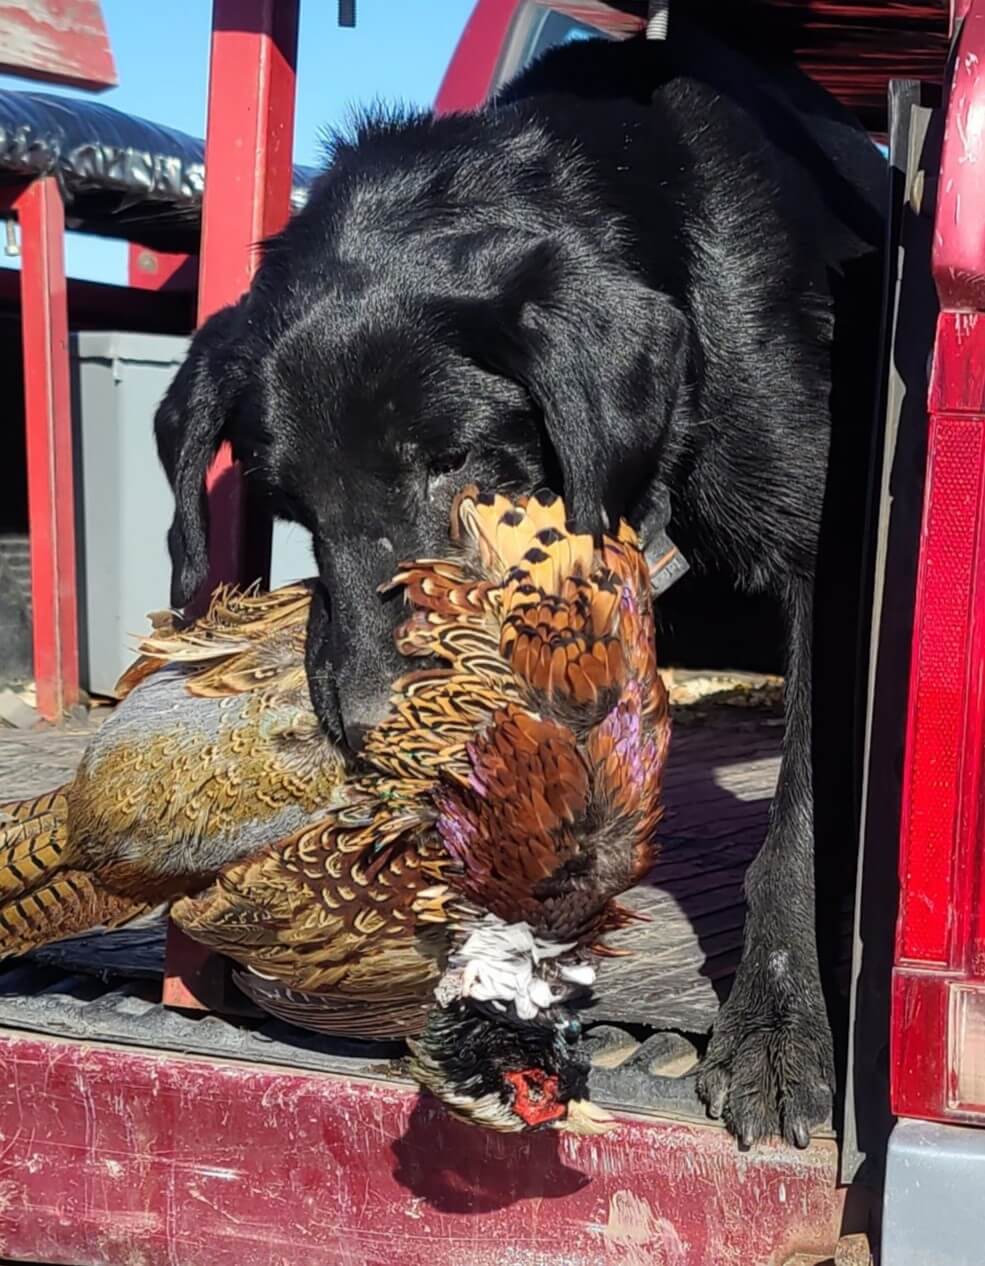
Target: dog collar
{"type": "Point", "coordinates": [666, 562]}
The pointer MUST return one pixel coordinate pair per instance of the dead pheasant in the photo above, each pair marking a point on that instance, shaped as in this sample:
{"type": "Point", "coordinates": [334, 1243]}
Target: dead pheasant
{"type": "Point", "coordinates": [508, 798]}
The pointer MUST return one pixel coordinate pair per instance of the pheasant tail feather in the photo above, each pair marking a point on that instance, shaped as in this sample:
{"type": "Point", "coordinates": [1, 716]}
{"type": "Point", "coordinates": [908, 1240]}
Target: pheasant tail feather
{"type": "Point", "coordinates": [42, 898]}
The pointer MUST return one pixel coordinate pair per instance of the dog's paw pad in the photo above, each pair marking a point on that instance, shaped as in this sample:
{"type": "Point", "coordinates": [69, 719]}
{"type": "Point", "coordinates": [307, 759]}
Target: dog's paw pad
{"type": "Point", "coordinates": [768, 1071]}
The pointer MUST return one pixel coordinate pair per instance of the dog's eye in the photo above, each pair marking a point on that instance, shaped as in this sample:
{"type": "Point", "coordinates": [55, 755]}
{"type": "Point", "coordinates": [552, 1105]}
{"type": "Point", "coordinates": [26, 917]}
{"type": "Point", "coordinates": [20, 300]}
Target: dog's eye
{"type": "Point", "coordinates": [448, 463]}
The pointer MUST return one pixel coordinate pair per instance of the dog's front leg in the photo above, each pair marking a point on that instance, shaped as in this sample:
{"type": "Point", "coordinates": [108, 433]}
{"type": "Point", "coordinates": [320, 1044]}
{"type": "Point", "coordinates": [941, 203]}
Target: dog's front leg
{"type": "Point", "coordinates": [769, 1066]}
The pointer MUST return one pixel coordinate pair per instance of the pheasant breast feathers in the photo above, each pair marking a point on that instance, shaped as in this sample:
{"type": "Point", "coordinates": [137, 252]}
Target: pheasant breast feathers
{"type": "Point", "coordinates": [213, 752]}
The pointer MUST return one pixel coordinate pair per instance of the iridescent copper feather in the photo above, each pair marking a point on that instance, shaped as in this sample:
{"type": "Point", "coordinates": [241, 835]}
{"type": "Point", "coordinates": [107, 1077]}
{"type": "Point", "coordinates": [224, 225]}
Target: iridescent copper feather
{"type": "Point", "coordinates": [550, 807]}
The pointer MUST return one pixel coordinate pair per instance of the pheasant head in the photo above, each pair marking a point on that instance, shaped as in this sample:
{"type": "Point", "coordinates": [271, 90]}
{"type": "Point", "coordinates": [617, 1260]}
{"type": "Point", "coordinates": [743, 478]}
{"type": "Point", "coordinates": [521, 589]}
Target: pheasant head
{"type": "Point", "coordinates": [507, 1075]}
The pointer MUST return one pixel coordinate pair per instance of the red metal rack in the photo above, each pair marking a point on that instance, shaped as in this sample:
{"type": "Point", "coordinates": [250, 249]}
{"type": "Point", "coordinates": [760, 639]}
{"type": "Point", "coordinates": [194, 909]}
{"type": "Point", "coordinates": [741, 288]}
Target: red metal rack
{"type": "Point", "coordinates": [248, 150]}
{"type": "Point", "coordinates": [38, 206]}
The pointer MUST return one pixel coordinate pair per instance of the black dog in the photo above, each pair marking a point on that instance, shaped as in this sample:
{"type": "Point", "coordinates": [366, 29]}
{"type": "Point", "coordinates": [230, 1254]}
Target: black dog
{"type": "Point", "coordinates": [646, 267]}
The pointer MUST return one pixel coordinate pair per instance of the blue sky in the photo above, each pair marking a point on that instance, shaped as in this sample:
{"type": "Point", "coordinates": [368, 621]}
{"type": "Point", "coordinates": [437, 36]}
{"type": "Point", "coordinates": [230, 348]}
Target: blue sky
{"type": "Point", "coordinates": [397, 52]}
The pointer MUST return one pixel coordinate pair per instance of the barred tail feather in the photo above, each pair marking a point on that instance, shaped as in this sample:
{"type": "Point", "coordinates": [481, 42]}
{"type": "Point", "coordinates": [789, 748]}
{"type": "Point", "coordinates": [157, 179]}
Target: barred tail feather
{"type": "Point", "coordinates": [33, 843]}
{"type": "Point", "coordinates": [42, 898]}
{"type": "Point", "coordinates": [72, 904]}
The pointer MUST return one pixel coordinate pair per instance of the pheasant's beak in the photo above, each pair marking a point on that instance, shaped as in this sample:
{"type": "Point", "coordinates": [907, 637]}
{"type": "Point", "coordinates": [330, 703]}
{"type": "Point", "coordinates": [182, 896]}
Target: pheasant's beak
{"type": "Point", "coordinates": [585, 1117]}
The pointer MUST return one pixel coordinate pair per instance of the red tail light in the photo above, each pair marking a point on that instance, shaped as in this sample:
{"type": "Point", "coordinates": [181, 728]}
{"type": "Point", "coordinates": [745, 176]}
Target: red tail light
{"type": "Point", "coordinates": [939, 985]}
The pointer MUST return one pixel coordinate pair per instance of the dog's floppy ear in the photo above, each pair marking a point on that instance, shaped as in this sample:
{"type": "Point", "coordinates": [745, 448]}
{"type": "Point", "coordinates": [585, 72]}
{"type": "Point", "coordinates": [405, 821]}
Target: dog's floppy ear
{"type": "Point", "coordinates": [604, 358]}
{"type": "Point", "coordinates": [189, 426]}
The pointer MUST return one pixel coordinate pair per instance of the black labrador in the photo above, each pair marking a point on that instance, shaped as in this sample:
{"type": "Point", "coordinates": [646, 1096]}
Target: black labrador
{"type": "Point", "coordinates": [647, 268]}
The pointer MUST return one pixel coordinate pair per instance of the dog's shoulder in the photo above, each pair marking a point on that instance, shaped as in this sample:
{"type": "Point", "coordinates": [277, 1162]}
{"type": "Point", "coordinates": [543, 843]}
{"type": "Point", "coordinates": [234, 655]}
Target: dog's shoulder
{"type": "Point", "coordinates": [710, 121]}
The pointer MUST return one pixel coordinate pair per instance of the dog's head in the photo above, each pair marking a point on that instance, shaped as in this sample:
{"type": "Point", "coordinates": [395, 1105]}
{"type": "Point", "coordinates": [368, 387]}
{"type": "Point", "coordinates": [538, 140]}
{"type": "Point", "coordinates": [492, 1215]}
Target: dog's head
{"type": "Point", "coordinates": [360, 394]}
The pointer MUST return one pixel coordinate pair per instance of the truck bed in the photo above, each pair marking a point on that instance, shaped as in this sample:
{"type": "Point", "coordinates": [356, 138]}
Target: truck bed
{"type": "Point", "coordinates": [722, 772]}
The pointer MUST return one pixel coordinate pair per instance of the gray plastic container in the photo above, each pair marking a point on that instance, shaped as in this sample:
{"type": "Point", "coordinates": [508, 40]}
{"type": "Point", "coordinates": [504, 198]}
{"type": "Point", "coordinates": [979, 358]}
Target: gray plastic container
{"type": "Point", "coordinates": [123, 500]}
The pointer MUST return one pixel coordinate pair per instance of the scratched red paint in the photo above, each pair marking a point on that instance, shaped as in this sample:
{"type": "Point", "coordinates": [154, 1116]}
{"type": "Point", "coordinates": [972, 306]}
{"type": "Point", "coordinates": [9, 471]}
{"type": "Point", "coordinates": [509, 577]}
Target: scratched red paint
{"type": "Point", "coordinates": [120, 1157]}
{"type": "Point", "coordinates": [63, 41]}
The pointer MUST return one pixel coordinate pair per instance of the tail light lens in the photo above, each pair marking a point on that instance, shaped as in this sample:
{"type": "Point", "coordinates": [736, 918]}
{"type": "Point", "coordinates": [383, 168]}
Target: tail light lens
{"type": "Point", "coordinates": [938, 1057]}
{"type": "Point", "coordinates": [967, 1049]}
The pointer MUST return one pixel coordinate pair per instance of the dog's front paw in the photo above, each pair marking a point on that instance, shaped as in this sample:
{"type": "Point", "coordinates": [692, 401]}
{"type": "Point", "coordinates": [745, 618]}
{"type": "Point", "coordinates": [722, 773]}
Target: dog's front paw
{"type": "Point", "coordinates": [769, 1068]}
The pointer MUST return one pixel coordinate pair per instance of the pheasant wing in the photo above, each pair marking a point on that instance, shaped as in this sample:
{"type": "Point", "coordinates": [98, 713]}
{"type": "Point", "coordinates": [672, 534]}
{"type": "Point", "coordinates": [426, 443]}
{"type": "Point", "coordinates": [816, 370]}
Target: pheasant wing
{"type": "Point", "coordinates": [332, 920]}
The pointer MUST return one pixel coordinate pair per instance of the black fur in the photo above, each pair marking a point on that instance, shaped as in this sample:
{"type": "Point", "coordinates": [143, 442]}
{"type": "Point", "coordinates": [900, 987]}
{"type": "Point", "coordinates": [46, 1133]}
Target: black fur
{"type": "Point", "coordinates": [648, 267]}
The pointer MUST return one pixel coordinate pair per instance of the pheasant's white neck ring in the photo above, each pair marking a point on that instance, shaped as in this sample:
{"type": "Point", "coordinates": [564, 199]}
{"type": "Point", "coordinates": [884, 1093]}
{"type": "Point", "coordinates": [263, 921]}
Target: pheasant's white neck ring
{"type": "Point", "coordinates": [506, 964]}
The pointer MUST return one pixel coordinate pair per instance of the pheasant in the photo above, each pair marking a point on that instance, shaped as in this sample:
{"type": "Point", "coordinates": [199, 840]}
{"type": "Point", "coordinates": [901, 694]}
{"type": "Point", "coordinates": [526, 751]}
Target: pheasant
{"type": "Point", "coordinates": [453, 886]}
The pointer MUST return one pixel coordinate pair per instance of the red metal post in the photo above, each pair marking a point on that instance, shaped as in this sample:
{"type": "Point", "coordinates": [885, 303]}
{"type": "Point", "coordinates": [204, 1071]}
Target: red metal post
{"type": "Point", "coordinates": [249, 143]}
{"type": "Point", "coordinates": [48, 419]}
{"type": "Point", "coordinates": [248, 153]}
